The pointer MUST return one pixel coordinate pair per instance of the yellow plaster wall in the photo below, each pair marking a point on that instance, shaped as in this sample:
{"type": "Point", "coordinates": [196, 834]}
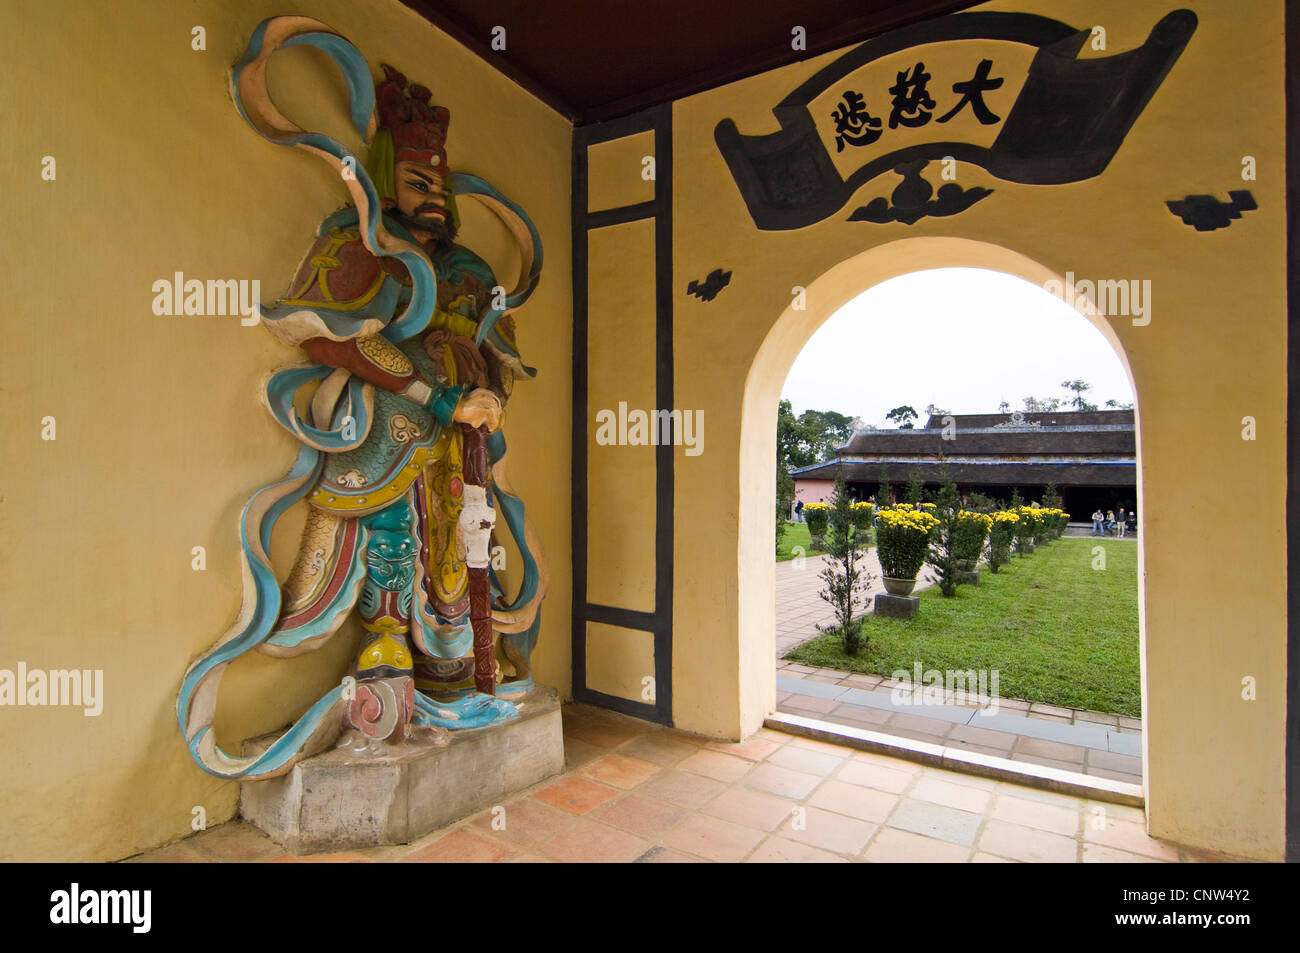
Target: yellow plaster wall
{"type": "Point", "coordinates": [1213, 604]}
{"type": "Point", "coordinates": [617, 173]}
{"type": "Point", "coordinates": [160, 435]}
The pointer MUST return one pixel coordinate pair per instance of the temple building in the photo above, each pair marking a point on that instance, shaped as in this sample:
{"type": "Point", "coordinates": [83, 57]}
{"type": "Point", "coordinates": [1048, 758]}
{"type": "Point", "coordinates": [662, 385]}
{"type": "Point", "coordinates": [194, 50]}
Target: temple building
{"type": "Point", "coordinates": [1090, 456]}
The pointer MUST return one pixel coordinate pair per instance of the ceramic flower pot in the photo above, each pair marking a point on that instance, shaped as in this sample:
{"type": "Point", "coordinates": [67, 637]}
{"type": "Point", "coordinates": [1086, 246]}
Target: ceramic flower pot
{"type": "Point", "coordinates": [899, 587]}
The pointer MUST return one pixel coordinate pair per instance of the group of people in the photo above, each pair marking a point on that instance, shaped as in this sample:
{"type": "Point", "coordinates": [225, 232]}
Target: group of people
{"type": "Point", "coordinates": [1109, 524]}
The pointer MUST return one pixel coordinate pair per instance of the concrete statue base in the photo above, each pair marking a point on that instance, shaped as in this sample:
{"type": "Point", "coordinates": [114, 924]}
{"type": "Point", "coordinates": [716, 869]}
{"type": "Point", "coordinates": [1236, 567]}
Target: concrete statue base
{"type": "Point", "coordinates": [339, 800]}
{"type": "Point", "coordinates": [896, 607]}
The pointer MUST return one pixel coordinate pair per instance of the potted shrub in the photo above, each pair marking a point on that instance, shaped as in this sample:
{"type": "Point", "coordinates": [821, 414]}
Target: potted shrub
{"type": "Point", "coordinates": [1026, 529]}
{"type": "Point", "coordinates": [902, 542]}
{"type": "Point", "coordinates": [970, 530]}
{"type": "Point", "coordinates": [1001, 533]}
{"type": "Point", "coordinates": [862, 516]}
{"type": "Point", "coordinates": [817, 515]}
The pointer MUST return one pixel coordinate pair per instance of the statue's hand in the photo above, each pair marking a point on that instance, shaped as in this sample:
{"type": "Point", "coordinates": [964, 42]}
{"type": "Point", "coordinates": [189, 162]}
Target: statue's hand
{"type": "Point", "coordinates": [479, 408]}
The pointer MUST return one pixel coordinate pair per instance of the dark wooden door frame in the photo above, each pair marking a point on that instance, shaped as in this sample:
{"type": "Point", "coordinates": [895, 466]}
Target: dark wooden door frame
{"type": "Point", "coordinates": [659, 622]}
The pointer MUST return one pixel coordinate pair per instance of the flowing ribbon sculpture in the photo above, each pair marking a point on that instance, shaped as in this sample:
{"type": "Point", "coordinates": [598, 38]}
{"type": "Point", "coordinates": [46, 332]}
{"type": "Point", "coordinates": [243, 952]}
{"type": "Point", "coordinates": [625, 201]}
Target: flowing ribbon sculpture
{"type": "Point", "coordinates": [376, 531]}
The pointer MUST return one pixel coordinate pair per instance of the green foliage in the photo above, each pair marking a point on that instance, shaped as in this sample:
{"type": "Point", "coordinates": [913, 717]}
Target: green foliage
{"type": "Point", "coordinates": [903, 416]}
{"type": "Point", "coordinates": [903, 539]}
{"type": "Point", "coordinates": [943, 556]}
{"type": "Point", "coordinates": [811, 437]}
{"type": "Point", "coordinates": [794, 540]}
{"type": "Point", "coordinates": [883, 494]}
{"type": "Point", "coordinates": [915, 489]}
{"type": "Point", "coordinates": [1077, 401]}
{"type": "Point", "coordinates": [845, 575]}
{"type": "Point", "coordinates": [784, 499]}
{"type": "Point", "coordinates": [817, 516]}
{"type": "Point", "coordinates": [1002, 532]}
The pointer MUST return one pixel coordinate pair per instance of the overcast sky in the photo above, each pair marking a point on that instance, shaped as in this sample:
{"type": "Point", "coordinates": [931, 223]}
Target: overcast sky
{"type": "Point", "coordinates": [962, 338]}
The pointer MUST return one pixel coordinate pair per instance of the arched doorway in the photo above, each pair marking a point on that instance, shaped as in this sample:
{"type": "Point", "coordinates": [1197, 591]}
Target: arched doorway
{"type": "Point", "coordinates": [767, 374]}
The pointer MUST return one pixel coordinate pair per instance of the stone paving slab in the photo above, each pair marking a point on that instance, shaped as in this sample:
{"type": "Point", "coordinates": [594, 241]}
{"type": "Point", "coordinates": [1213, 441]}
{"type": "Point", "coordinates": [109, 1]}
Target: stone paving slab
{"type": "Point", "coordinates": [1084, 734]}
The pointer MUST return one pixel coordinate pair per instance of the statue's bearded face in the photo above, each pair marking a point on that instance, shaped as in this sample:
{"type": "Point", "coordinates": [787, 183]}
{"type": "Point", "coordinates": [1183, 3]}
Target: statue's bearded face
{"type": "Point", "coordinates": [421, 200]}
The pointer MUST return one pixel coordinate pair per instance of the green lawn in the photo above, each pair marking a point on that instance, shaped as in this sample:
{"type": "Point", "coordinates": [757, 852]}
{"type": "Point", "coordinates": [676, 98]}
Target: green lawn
{"type": "Point", "coordinates": [795, 534]}
{"type": "Point", "coordinates": [1055, 629]}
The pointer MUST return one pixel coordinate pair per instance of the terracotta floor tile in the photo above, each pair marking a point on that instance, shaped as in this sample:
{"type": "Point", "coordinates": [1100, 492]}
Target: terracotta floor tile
{"type": "Point", "coordinates": [524, 822]}
{"type": "Point", "coordinates": [1127, 763]}
{"type": "Point", "coordinates": [237, 842]}
{"type": "Point", "coordinates": [808, 760]}
{"type": "Point", "coordinates": [524, 858]}
{"type": "Point", "coordinates": [753, 749]}
{"type": "Point", "coordinates": [978, 749]}
{"type": "Point", "coordinates": [782, 781]}
{"type": "Point", "coordinates": [828, 831]}
{"type": "Point", "coordinates": [1001, 740]}
{"type": "Point", "coordinates": [716, 765]}
{"type": "Point", "coordinates": [590, 842]}
{"type": "Point", "coordinates": [643, 816]}
{"type": "Point", "coordinates": [1124, 835]}
{"type": "Point", "coordinates": [1043, 817]}
{"type": "Point", "coordinates": [894, 846]}
{"type": "Point", "coordinates": [1045, 797]}
{"type": "Point", "coordinates": [343, 857]}
{"type": "Point", "coordinates": [1041, 748]}
{"type": "Point", "coordinates": [658, 749]}
{"type": "Point", "coordinates": [887, 761]}
{"type": "Point", "coordinates": [575, 795]}
{"type": "Point", "coordinates": [981, 858]}
{"type": "Point", "coordinates": [814, 706]}
{"type": "Point", "coordinates": [961, 797]}
{"type": "Point", "coordinates": [1025, 843]}
{"type": "Point", "coordinates": [601, 735]}
{"type": "Point", "coordinates": [764, 812]}
{"type": "Point", "coordinates": [866, 804]}
{"type": "Point", "coordinates": [1097, 854]}
{"type": "Point", "coordinates": [884, 778]}
{"type": "Point", "coordinates": [936, 821]}
{"type": "Point", "coordinates": [691, 791]}
{"type": "Point", "coordinates": [903, 722]}
{"type": "Point", "coordinates": [713, 838]}
{"type": "Point", "coordinates": [459, 847]}
{"type": "Point", "coordinates": [182, 852]}
{"type": "Point", "coordinates": [858, 715]}
{"type": "Point", "coordinates": [778, 850]}
{"type": "Point", "coordinates": [620, 772]}
{"type": "Point", "coordinates": [577, 752]}
{"type": "Point", "coordinates": [665, 855]}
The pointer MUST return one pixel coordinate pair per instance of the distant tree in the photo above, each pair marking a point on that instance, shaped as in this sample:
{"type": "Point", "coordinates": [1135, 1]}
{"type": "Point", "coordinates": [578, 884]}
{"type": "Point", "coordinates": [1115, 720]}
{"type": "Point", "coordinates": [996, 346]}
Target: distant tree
{"type": "Point", "coordinates": [1119, 406]}
{"type": "Point", "coordinates": [934, 410]}
{"type": "Point", "coordinates": [1041, 405]}
{"type": "Point", "coordinates": [787, 438]}
{"type": "Point", "coordinates": [915, 488]}
{"type": "Point", "coordinates": [1077, 401]}
{"type": "Point", "coordinates": [883, 493]}
{"type": "Point", "coordinates": [784, 499]}
{"type": "Point", "coordinates": [903, 416]}
{"type": "Point", "coordinates": [812, 436]}
{"type": "Point", "coordinates": [1004, 408]}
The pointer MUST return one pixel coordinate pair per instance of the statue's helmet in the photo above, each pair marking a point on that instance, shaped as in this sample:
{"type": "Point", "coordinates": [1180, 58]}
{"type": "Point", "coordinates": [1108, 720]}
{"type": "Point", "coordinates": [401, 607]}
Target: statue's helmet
{"type": "Point", "coordinates": [418, 130]}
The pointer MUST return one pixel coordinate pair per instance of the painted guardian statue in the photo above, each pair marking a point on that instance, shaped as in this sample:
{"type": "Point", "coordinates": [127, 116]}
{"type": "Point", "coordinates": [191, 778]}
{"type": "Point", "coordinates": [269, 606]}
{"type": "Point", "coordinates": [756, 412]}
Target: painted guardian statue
{"type": "Point", "coordinates": [413, 358]}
